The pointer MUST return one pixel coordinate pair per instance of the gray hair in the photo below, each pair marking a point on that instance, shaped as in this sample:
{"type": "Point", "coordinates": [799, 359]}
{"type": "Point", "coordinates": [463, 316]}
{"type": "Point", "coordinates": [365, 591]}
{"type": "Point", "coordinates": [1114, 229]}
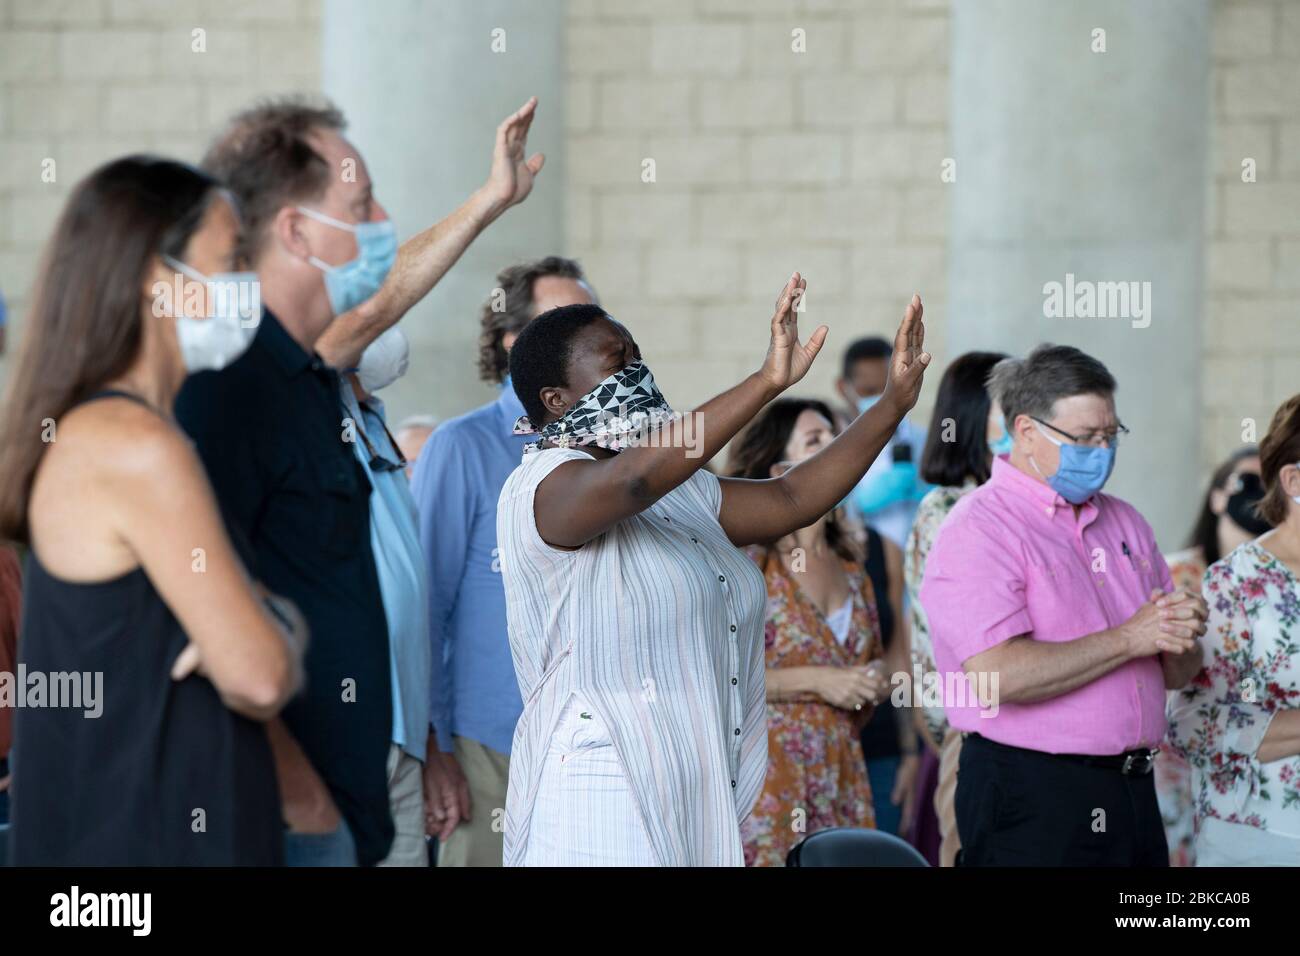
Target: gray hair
{"type": "Point", "coordinates": [1032, 385]}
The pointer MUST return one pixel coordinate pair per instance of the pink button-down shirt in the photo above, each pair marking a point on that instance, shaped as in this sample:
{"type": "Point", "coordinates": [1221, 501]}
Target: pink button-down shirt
{"type": "Point", "coordinates": [1012, 559]}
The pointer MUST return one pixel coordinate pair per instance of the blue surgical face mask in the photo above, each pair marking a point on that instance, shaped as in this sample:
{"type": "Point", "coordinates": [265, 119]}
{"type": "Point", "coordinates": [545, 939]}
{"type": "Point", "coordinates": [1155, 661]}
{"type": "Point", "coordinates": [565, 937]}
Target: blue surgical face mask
{"type": "Point", "coordinates": [355, 281]}
{"type": "Point", "coordinates": [1082, 472]}
{"type": "Point", "coordinates": [1003, 445]}
{"type": "Point", "coordinates": [866, 402]}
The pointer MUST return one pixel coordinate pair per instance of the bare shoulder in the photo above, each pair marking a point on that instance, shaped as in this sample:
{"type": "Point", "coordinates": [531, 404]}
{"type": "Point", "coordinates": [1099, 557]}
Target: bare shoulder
{"type": "Point", "coordinates": [108, 463]}
{"type": "Point", "coordinates": [121, 443]}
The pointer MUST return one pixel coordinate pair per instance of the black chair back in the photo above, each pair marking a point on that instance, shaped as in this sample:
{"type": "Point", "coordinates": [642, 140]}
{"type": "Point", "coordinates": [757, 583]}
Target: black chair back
{"type": "Point", "coordinates": [851, 846]}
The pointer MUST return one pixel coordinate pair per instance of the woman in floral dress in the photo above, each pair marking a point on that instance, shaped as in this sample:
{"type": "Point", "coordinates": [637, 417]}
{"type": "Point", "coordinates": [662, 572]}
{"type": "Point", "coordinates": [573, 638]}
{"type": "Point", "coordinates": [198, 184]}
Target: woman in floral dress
{"type": "Point", "coordinates": [1227, 519]}
{"type": "Point", "coordinates": [823, 654]}
{"type": "Point", "coordinates": [1238, 723]}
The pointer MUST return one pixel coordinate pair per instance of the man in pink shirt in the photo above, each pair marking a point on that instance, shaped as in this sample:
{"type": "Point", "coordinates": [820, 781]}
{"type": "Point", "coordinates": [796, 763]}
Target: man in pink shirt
{"type": "Point", "coordinates": [1057, 631]}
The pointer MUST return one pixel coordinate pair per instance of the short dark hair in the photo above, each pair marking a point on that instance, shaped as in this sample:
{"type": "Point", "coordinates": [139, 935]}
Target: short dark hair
{"type": "Point", "coordinates": [540, 356]}
{"type": "Point", "coordinates": [1033, 385]}
{"type": "Point", "coordinates": [510, 307]}
{"type": "Point", "coordinates": [963, 401]}
{"type": "Point", "coordinates": [1280, 447]}
{"type": "Point", "coordinates": [264, 158]}
{"type": "Point", "coordinates": [872, 347]}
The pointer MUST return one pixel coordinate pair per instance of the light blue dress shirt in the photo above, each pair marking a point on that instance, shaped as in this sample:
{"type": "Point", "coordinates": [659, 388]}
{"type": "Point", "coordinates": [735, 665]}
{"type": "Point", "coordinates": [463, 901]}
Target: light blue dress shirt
{"type": "Point", "coordinates": [395, 540]}
{"type": "Point", "coordinates": [456, 484]}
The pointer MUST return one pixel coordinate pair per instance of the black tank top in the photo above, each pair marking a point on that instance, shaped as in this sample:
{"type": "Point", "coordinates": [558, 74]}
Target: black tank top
{"type": "Point", "coordinates": [166, 774]}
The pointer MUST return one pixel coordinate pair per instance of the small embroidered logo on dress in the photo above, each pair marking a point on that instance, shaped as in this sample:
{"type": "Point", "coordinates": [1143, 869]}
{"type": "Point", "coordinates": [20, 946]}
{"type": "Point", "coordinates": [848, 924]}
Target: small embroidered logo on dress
{"type": "Point", "coordinates": [585, 716]}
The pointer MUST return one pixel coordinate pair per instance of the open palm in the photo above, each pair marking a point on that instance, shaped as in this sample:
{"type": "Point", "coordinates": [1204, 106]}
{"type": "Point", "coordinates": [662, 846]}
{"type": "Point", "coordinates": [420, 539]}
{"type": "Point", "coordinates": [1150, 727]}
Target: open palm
{"type": "Point", "coordinates": [788, 360]}
{"type": "Point", "coordinates": [513, 172]}
{"type": "Point", "coordinates": [907, 364]}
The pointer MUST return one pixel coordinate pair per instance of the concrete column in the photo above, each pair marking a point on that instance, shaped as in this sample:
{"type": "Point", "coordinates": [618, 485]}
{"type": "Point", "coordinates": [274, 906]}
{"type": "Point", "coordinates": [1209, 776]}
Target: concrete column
{"type": "Point", "coordinates": [423, 92]}
{"type": "Point", "coordinates": [1091, 164]}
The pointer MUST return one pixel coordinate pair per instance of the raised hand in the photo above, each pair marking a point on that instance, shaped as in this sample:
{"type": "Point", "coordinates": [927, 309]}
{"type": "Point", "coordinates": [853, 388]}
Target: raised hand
{"type": "Point", "coordinates": [787, 359]}
{"type": "Point", "coordinates": [512, 176]}
{"type": "Point", "coordinates": [907, 364]}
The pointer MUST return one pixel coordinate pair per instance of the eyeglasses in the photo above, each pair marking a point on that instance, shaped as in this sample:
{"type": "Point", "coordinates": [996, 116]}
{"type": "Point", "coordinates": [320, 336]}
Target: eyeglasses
{"type": "Point", "coordinates": [1109, 438]}
{"type": "Point", "coordinates": [378, 461]}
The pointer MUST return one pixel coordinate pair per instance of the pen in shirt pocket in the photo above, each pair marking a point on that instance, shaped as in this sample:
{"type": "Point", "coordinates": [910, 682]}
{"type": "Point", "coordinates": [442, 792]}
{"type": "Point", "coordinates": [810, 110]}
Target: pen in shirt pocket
{"type": "Point", "coordinates": [1128, 554]}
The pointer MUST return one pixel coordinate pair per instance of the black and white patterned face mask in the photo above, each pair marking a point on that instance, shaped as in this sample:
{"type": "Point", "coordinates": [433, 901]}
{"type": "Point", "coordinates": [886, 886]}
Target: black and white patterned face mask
{"type": "Point", "coordinates": [615, 414]}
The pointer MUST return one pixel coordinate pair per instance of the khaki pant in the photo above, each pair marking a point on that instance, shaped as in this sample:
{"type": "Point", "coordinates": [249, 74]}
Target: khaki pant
{"type": "Point", "coordinates": [480, 841]}
{"type": "Point", "coordinates": [945, 796]}
{"type": "Point", "coordinates": [406, 803]}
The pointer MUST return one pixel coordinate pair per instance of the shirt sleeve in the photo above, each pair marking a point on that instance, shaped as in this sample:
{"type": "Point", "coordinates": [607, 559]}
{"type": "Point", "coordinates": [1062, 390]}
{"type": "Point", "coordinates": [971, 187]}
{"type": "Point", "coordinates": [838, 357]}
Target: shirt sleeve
{"type": "Point", "coordinates": [522, 532]}
{"type": "Point", "coordinates": [1218, 721]}
{"type": "Point", "coordinates": [973, 591]}
{"type": "Point", "coordinates": [446, 502]}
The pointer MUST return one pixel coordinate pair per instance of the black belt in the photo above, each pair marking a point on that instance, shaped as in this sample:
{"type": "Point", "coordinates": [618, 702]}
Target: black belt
{"type": "Point", "coordinates": [1131, 763]}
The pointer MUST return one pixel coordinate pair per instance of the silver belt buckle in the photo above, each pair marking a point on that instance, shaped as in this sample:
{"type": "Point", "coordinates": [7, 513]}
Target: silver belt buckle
{"type": "Point", "coordinates": [1139, 764]}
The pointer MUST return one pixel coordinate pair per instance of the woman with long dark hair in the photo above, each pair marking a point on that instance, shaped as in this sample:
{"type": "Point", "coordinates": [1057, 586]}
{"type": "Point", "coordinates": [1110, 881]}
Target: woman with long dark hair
{"type": "Point", "coordinates": [823, 651]}
{"type": "Point", "coordinates": [132, 584]}
{"type": "Point", "coordinates": [966, 431]}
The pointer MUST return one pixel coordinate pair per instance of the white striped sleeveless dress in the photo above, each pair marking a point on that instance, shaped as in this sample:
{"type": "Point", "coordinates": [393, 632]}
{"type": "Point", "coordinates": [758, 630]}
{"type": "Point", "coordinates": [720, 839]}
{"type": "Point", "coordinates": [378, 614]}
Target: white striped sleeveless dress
{"type": "Point", "coordinates": [655, 631]}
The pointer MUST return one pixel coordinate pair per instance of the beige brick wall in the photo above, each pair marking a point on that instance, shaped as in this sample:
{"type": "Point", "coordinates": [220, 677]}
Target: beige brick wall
{"type": "Point", "coordinates": [766, 160]}
{"type": "Point", "coordinates": [83, 81]}
{"type": "Point", "coordinates": [1252, 283]}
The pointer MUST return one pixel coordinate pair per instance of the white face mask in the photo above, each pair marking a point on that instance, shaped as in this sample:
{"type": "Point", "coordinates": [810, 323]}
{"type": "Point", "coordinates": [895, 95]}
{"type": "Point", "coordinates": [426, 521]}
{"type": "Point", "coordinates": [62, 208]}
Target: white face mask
{"type": "Point", "coordinates": [384, 361]}
{"type": "Point", "coordinates": [234, 313]}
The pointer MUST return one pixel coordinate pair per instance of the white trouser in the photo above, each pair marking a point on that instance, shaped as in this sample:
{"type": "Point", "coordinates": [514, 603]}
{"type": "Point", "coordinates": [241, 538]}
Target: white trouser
{"type": "Point", "coordinates": [1236, 844]}
{"type": "Point", "coordinates": [585, 814]}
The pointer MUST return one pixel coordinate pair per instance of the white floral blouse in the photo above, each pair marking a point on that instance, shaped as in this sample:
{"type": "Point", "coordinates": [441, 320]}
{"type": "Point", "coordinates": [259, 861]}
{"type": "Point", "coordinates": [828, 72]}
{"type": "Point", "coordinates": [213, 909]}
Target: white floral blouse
{"type": "Point", "coordinates": [1252, 670]}
{"type": "Point", "coordinates": [934, 507]}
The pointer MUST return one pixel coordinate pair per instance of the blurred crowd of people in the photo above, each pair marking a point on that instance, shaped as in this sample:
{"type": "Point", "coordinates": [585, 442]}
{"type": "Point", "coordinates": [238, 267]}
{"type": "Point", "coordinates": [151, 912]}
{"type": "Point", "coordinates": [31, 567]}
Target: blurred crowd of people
{"type": "Point", "coordinates": [576, 626]}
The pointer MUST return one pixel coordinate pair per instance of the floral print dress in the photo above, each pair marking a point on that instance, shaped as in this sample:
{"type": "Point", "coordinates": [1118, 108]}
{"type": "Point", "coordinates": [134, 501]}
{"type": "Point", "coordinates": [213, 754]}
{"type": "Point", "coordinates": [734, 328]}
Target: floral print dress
{"type": "Point", "coordinates": [934, 507]}
{"type": "Point", "coordinates": [816, 776]}
{"type": "Point", "coordinates": [1252, 670]}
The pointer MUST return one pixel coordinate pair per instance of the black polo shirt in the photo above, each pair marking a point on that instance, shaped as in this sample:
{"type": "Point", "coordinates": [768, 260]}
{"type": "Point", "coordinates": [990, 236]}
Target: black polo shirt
{"type": "Point", "coordinates": [269, 428]}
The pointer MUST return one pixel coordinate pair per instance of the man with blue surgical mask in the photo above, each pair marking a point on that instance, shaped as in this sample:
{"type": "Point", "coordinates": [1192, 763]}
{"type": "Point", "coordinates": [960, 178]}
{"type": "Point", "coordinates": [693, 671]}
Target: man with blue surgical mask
{"type": "Point", "coordinates": [278, 437]}
{"type": "Point", "coordinates": [1050, 600]}
{"type": "Point", "coordinates": [888, 494]}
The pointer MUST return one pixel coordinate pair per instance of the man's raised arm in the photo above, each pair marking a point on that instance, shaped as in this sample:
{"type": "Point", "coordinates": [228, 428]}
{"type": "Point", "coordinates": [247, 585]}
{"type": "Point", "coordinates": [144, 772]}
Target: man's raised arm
{"type": "Point", "coordinates": [425, 258]}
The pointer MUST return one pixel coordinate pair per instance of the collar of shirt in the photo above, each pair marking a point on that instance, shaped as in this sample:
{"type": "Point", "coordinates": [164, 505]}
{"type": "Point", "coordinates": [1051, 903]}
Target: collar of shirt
{"type": "Point", "coordinates": [372, 429]}
{"type": "Point", "coordinates": [288, 354]}
{"type": "Point", "coordinates": [510, 408]}
{"type": "Point", "coordinates": [1007, 478]}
